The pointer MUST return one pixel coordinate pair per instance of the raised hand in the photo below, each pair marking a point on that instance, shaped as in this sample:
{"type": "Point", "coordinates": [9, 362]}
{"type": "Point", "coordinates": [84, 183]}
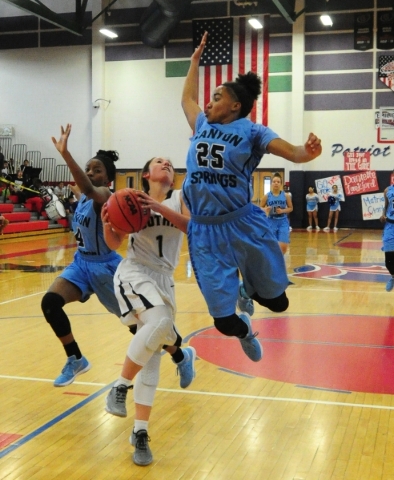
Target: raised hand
{"type": "Point", "coordinates": [198, 51]}
{"type": "Point", "coordinates": [61, 144]}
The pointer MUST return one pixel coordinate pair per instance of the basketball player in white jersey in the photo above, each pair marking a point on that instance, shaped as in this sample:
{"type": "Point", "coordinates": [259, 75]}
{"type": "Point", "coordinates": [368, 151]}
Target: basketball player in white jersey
{"type": "Point", "coordinates": [144, 286]}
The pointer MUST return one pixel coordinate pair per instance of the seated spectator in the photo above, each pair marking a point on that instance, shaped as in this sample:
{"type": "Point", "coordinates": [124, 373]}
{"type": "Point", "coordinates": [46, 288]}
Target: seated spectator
{"type": "Point", "coordinates": [70, 205]}
{"type": "Point", "coordinates": [60, 191]}
{"type": "Point", "coordinates": [25, 164]}
{"type": "Point", "coordinates": [5, 169]}
{"type": "Point", "coordinates": [34, 202]}
{"type": "Point", "coordinates": [2, 159]}
{"type": "Point", "coordinates": [17, 188]}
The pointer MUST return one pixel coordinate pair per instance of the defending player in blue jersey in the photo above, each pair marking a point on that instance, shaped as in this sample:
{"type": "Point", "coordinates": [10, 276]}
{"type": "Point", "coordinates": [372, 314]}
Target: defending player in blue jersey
{"type": "Point", "coordinates": [388, 234]}
{"type": "Point", "coordinates": [227, 233]}
{"type": "Point", "coordinates": [94, 264]}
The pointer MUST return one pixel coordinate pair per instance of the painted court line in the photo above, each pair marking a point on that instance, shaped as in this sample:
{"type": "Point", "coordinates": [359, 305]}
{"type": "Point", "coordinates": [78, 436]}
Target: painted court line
{"type": "Point", "coordinates": [52, 422]}
{"type": "Point", "coordinates": [219, 394]}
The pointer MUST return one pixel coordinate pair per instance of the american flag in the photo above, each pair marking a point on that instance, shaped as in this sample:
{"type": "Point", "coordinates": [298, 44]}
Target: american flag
{"type": "Point", "coordinates": [386, 70]}
{"type": "Point", "coordinates": [233, 47]}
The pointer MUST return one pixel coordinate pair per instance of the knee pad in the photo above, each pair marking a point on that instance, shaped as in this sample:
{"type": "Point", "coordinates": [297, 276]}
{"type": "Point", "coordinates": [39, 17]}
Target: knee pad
{"type": "Point", "coordinates": [231, 326]}
{"type": "Point", "coordinates": [142, 393]}
{"type": "Point", "coordinates": [277, 304]}
{"type": "Point", "coordinates": [150, 372]}
{"type": "Point", "coordinates": [161, 325]}
{"type": "Point", "coordinates": [52, 307]}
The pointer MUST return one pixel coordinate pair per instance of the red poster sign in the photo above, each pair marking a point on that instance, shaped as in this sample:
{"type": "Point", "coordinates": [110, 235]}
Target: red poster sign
{"type": "Point", "coordinates": [357, 161]}
{"type": "Point", "coordinates": [362, 182]}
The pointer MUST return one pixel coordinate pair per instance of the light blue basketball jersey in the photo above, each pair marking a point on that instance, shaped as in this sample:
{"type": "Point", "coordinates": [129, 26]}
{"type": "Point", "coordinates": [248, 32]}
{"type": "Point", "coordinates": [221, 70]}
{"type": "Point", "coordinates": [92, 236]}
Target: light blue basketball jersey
{"type": "Point", "coordinates": [390, 202]}
{"type": "Point", "coordinates": [88, 229]}
{"type": "Point", "coordinates": [220, 163]}
{"type": "Point", "coordinates": [275, 201]}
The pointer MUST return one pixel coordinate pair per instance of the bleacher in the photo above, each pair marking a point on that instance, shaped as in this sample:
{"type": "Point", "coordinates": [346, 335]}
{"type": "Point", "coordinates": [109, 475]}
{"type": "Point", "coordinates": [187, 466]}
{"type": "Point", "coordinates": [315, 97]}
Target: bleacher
{"type": "Point", "coordinates": [21, 220]}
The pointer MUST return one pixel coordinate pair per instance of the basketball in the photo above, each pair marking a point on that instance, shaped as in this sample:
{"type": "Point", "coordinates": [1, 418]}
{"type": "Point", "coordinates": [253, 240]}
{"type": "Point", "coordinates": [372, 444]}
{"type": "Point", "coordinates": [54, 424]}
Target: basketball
{"type": "Point", "coordinates": [125, 211]}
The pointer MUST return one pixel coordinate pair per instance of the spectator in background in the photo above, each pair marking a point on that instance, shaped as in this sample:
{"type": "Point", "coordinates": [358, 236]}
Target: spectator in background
{"type": "Point", "coordinates": [5, 169]}
{"type": "Point", "coordinates": [25, 164]}
{"type": "Point", "coordinates": [34, 202]}
{"type": "Point", "coordinates": [60, 191]}
{"type": "Point", "coordinates": [2, 159]}
{"type": "Point", "coordinates": [17, 189]}
{"type": "Point", "coordinates": [70, 205]}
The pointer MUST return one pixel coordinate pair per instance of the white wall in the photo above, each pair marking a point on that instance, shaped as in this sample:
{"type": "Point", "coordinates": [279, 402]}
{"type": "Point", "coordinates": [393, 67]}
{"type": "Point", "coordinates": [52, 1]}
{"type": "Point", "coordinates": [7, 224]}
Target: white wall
{"type": "Point", "coordinates": [42, 89]}
{"type": "Point", "coordinates": [145, 117]}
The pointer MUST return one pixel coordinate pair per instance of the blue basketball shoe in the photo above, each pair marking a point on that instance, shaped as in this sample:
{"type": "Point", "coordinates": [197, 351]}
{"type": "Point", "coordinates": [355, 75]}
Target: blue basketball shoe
{"type": "Point", "coordinates": [72, 369]}
{"type": "Point", "coordinates": [250, 345]}
{"type": "Point", "coordinates": [390, 285]}
{"type": "Point", "coordinates": [244, 303]}
{"type": "Point", "coordinates": [185, 368]}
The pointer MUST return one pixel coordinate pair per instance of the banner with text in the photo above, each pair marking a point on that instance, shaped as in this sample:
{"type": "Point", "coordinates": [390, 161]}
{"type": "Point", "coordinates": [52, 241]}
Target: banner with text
{"type": "Point", "coordinates": [357, 161]}
{"type": "Point", "coordinates": [385, 34]}
{"type": "Point", "coordinates": [372, 206]}
{"type": "Point", "coordinates": [324, 187]}
{"type": "Point", "coordinates": [363, 31]}
{"type": "Point", "coordinates": [360, 183]}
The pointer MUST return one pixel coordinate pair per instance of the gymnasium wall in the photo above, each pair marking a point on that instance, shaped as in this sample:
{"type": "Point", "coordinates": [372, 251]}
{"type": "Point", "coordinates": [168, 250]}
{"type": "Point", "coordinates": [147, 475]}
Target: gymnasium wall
{"type": "Point", "coordinates": [317, 82]}
{"type": "Point", "coordinates": [351, 214]}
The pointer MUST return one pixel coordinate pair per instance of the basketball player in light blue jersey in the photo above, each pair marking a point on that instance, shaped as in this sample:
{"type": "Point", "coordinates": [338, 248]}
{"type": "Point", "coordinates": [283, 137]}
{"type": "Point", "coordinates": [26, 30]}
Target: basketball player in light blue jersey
{"type": "Point", "coordinates": [388, 234]}
{"type": "Point", "coordinates": [312, 206]}
{"type": "Point", "coordinates": [94, 263]}
{"type": "Point", "coordinates": [277, 205]}
{"type": "Point", "coordinates": [227, 233]}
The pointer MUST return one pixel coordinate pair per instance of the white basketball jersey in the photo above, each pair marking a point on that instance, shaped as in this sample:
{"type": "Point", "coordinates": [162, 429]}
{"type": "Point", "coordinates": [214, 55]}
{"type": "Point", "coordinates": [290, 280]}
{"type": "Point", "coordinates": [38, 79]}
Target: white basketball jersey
{"type": "Point", "coordinates": [158, 244]}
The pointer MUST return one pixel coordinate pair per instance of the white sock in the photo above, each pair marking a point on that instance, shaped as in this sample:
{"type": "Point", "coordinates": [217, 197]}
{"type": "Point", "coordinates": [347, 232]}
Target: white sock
{"type": "Point", "coordinates": [123, 381]}
{"type": "Point", "coordinates": [140, 425]}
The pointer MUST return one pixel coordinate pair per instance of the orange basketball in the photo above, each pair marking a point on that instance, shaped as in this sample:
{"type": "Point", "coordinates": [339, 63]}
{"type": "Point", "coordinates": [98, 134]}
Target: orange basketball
{"type": "Point", "coordinates": [125, 211]}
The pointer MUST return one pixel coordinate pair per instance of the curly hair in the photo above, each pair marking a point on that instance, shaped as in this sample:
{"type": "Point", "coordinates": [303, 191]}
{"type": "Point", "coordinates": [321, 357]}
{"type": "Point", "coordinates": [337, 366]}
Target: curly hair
{"type": "Point", "coordinates": [108, 159]}
{"type": "Point", "coordinates": [245, 89]}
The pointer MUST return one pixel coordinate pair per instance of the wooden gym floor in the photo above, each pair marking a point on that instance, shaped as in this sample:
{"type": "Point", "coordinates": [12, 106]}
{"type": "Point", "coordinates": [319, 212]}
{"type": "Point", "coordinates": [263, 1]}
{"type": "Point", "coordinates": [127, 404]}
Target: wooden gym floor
{"type": "Point", "coordinates": [319, 406]}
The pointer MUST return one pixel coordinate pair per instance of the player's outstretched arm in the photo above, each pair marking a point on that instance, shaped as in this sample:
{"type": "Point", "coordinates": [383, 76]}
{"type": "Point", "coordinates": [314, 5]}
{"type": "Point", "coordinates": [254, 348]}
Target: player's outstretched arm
{"type": "Point", "coordinates": [296, 154]}
{"type": "Point", "coordinates": [190, 89]}
{"type": "Point", "coordinates": [99, 194]}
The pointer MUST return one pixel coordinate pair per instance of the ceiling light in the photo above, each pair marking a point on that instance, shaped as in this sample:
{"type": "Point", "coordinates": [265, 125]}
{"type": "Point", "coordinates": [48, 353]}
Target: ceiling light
{"type": "Point", "coordinates": [108, 33]}
{"type": "Point", "coordinates": [326, 20]}
{"type": "Point", "coordinates": [255, 23]}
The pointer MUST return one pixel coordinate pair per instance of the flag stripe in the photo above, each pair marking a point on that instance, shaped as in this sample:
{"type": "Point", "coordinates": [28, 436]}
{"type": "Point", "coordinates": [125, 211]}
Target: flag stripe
{"type": "Point", "coordinates": [250, 53]}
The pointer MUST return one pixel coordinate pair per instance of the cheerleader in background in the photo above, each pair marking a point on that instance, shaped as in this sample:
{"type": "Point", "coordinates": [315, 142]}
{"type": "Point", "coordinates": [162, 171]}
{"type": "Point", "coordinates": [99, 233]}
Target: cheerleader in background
{"type": "Point", "coordinates": [312, 200]}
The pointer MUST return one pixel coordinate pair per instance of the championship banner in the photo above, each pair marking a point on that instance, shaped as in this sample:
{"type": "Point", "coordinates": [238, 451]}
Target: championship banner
{"type": "Point", "coordinates": [386, 70]}
{"type": "Point", "coordinates": [385, 33]}
{"type": "Point", "coordinates": [363, 31]}
{"type": "Point", "coordinates": [357, 161]}
{"type": "Point", "coordinates": [360, 183]}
